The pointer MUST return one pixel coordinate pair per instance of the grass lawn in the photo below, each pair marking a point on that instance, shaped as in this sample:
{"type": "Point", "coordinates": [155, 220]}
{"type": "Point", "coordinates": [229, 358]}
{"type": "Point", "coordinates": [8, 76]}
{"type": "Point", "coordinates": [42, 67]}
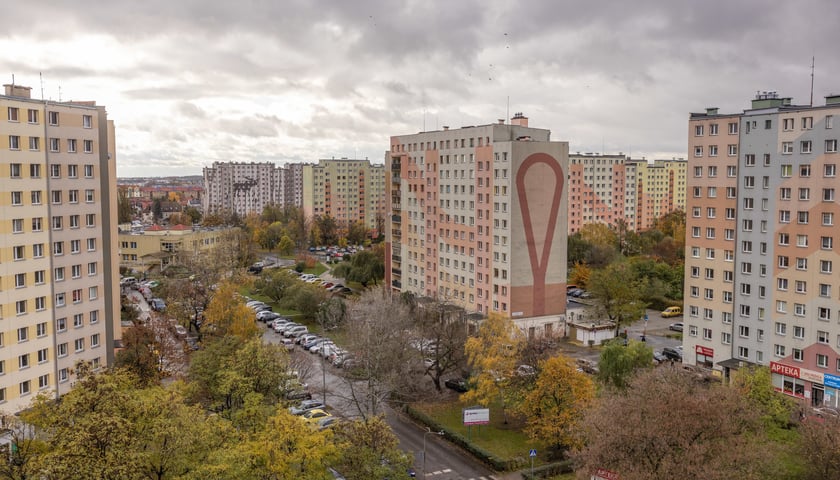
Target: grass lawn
{"type": "Point", "coordinates": [505, 441]}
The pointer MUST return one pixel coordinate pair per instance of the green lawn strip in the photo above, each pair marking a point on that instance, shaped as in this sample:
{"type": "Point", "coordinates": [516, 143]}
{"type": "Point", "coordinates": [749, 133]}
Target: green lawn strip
{"type": "Point", "coordinates": [318, 269]}
{"type": "Point", "coordinates": [505, 441]}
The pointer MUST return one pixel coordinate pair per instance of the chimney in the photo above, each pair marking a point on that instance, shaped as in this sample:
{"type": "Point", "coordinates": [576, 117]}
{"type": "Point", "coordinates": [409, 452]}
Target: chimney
{"type": "Point", "coordinates": [501, 121]}
{"type": "Point", "coordinates": [445, 128]}
{"type": "Point", "coordinates": [712, 111]}
{"type": "Point", "coordinates": [832, 99]}
{"type": "Point", "coordinates": [519, 119]}
{"type": "Point", "coordinates": [13, 90]}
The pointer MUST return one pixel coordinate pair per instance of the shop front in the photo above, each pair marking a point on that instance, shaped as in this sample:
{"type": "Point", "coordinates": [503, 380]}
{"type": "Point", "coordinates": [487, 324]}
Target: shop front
{"type": "Point", "coordinates": [704, 357]}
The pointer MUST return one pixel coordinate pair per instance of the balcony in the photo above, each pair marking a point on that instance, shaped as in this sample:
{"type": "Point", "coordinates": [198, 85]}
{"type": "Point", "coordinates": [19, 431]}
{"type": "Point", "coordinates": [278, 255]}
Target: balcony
{"type": "Point", "coordinates": [396, 284]}
{"type": "Point", "coordinates": [396, 218]}
{"type": "Point", "coordinates": [395, 179]}
{"type": "Point", "coordinates": [396, 207]}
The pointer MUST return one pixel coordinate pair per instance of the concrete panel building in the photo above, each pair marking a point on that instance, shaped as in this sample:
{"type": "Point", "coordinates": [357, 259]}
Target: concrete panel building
{"type": "Point", "coordinates": [59, 304]}
{"type": "Point", "coordinates": [241, 188]}
{"type": "Point", "coordinates": [774, 298]}
{"type": "Point", "coordinates": [477, 218]}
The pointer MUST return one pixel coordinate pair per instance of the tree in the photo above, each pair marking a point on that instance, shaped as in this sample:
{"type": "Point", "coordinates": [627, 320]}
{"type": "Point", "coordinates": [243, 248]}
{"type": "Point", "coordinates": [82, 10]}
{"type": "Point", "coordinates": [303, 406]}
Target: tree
{"type": "Point", "coordinates": [670, 423]}
{"type": "Point", "coordinates": [376, 334]}
{"type": "Point", "coordinates": [124, 210]}
{"type": "Point", "coordinates": [619, 362]}
{"type": "Point", "coordinates": [194, 214]}
{"type": "Point", "coordinates": [179, 219]}
{"type": "Point", "coordinates": [493, 355]}
{"type": "Point", "coordinates": [228, 315]}
{"type": "Point", "coordinates": [286, 246]}
{"type": "Point", "coordinates": [137, 354]}
{"type": "Point", "coordinates": [442, 333]}
{"type": "Point", "coordinates": [21, 461]}
{"type": "Point", "coordinates": [157, 210]}
{"type": "Point", "coordinates": [368, 265]}
{"type": "Point", "coordinates": [555, 404]}
{"type": "Point", "coordinates": [756, 384]}
{"type": "Point", "coordinates": [617, 294]}
{"type": "Point", "coordinates": [369, 449]}
{"type": "Point", "coordinates": [579, 275]}
{"type": "Point", "coordinates": [357, 233]}
{"type": "Point", "coordinates": [818, 448]}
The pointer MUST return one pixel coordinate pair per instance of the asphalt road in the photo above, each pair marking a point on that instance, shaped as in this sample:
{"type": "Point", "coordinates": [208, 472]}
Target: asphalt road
{"type": "Point", "coordinates": [444, 461]}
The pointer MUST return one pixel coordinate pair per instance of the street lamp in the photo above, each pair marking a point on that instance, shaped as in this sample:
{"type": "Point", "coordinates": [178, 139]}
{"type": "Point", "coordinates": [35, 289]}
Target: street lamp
{"type": "Point", "coordinates": [428, 431]}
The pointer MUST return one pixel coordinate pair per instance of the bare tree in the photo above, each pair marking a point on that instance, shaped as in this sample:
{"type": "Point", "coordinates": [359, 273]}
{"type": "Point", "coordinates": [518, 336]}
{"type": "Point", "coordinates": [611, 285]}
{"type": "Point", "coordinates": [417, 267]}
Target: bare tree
{"type": "Point", "coordinates": [672, 423]}
{"type": "Point", "coordinates": [442, 331]}
{"type": "Point", "coordinates": [377, 324]}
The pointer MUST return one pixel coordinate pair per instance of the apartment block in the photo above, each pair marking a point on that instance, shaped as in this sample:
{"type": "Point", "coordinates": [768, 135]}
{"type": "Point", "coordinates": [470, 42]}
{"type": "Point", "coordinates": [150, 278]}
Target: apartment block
{"type": "Point", "coordinates": [58, 269]}
{"type": "Point", "coordinates": [241, 188]}
{"type": "Point", "coordinates": [477, 219]}
{"type": "Point", "coordinates": [607, 189]}
{"type": "Point", "coordinates": [779, 297]}
{"type": "Point", "coordinates": [151, 249]}
{"type": "Point", "coordinates": [348, 190]}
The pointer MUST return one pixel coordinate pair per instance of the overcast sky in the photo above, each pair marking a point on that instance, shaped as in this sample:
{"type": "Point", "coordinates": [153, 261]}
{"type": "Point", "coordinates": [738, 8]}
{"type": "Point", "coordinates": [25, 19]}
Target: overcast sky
{"type": "Point", "coordinates": [190, 82]}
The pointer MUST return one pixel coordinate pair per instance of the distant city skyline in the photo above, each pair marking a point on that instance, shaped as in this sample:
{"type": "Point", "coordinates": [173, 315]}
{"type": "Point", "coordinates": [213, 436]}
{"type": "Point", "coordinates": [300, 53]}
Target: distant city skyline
{"type": "Point", "coordinates": [190, 83]}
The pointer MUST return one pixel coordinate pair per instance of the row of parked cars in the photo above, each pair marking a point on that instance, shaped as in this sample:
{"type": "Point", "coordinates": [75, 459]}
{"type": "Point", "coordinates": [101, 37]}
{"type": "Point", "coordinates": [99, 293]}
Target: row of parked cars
{"type": "Point", "coordinates": [314, 413]}
{"type": "Point", "coordinates": [329, 286]}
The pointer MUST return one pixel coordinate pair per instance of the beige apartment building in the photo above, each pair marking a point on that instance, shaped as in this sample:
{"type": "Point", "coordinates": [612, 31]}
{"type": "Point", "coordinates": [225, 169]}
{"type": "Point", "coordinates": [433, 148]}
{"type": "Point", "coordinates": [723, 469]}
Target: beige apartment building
{"type": "Point", "coordinates": [760, 281]}
{"type": "Point", "coordinates": [607, 189]}
{"type": "Point", "coordinates": [241, 188]}
{"type": "Point", "coordinates": [477, 218]}
{"type": "Point", "coordinates": [58, 271]}
{"type": "Point", "coordinates": [348, 190]}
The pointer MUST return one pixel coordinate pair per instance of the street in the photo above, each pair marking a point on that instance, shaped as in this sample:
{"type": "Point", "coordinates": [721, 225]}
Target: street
{"type": "Point", "coordinates": [444, 461]}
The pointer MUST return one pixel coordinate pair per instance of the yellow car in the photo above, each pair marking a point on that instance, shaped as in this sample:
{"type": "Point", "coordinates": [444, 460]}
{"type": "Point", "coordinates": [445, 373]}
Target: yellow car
{"type": "Point", "coordinates": [672, 312]}
{"type": "Point", "coordinates": [313, 416]}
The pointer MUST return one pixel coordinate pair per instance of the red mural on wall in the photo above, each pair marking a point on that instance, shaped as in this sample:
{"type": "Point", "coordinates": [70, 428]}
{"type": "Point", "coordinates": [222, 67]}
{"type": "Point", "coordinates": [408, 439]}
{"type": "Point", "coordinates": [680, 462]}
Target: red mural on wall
{"type": "Point", "coordinates": [539, 260]}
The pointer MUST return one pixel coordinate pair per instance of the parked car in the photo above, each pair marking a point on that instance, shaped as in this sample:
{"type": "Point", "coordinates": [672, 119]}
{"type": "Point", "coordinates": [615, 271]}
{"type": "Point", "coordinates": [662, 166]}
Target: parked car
{"type": "Point", "coordinates": [525, 370]}
{"type": "Point", "coordinates": [157, 304]}
{"type": "Point", "coordinates": [575, 292]}
{"type": "Point", "coordinates": [316, 414]}
{"type": "Point", "coordinates": [180, 330]}
{"type": "Point", "coordinates": [326, 422]}
{"type": "Point", "coordinates": [298, 394]}
{"type": "Point", "coordinates": [289, 344]}
{"type": "Point", "coordinates": [672, 312]}
{"type": "Point", "coordinates": [658, 357]}
{"type": "Point", "coordinates": [306, 406]}
{"type": "Point", "coordinates": [672, 354]}
{"type": "Point", "coordinates": [457, 384]}
{"type": "Point", "coordinates": [267, 316]}
{"type": "Point", "coordinates": [677, 327]}
{"type": "Point", "coordinates": [295, 331]}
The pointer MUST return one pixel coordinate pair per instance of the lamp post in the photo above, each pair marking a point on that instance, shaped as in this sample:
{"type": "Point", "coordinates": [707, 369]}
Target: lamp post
{"type": "Point", "coordinates": [428, 431]}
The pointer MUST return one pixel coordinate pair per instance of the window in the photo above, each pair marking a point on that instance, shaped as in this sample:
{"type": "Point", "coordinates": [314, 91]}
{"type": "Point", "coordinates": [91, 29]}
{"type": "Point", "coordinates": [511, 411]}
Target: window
{"type": "Point", "coordinates": [61, 325]}
{"type": "Point", "coordinates": [829, 170]}
{"type": "Point", "coordinates": [61, 350]}
{"type": "Point", "coordinates": [829, 121]}
{"type": "Point", "coordinates": [88, 171]}
{"type": "Point", "coordinates": [54, 145]}
{"type": "Point", "coordinates": [71, 145]}
{"type": "Point", "coordinates": [36, 197]}
{"type": "Point", "coordinates": [72, 171]}
{"type": "Point", "coordinates": [56, 223]}
{"type": "Point", "coordinates": [89, 196]}
{"type": "Point", "coordinates": [92, 268]}
{"type": "Point", "coordinates": [60, 299]}
{"type": "Point", "coordinates": [88, 146]}
{"type": "Point", "coordinates": [23, 361]}
{"type": "Point", "coordinates": [824, 314]}
{"type": "Point", "coordinates": [58, 248]}
{"type": "Point", "coordinates": [40, 303]}
{"type": "Point", "coordinates": [781, 306]}
{"type": "Point", "coordinates": [805, 146]}
{"type": "Point", "coordinates": [94, 340]}
{"type": "Point", "coordinates": [825, 266]}
{"type": "Point", "coordinates": [713, 129]}
{"type": "Point", "coordinates": [732, 150]}
{"type": "Point", "coordinates": [78, 320]}
{"type": "Point", "coordinates": [825, 290]}
{"type": "Point", "coordinates": [53, 118]}
{"type": "Point", "coordinates": [38, 250]}
{"type": "Point", "coordinates": [828, 195]}
{"type": "Point", "coordinates": [749, 160]}
{"type": "Point", "coordinates": [805, 171]}
{"type": "Point", "coordinates": [784, 216]}
{"type": "Point", "coordinates": [22, 334]}
{"type": "Point", "coordinates": [743, 352]}
{"type": "Point", "coordinates": [712, 192]}
{"type": "Point", "coordinates": [18, 252]}
{"type": "Point", "coordinates": [787, 148]}
{"type": "Point", "coordinates": [781, 328]}
{"type": "Point", "coordinates": [713, 150]}
{"type": "Point", "coordinates": [749, 203]}
{"type": "Point", "coordinates": [779, 350]}
{"type": "Point", "coordinates": [79, 344]}
{"type": "Point", "coordinates": [782, 284]}
{"type": "Point", "coordinates": [91, 244]}
{"type": "Point", "coordinates": [730, 213]}
{"type": "Point", "coordinates": [733, 128]}
{"type": "Point", "coordinates": [787, 124]}
{"type": "Point", "coordinates": [822, 360]}
{"type": "Point", "coordinates": [13, 114]}
{"type": "Point", "coordinates": [14, 142]}
{"type": "Point", "coordinates": [698, 130]}
{"type": "Point", "coordinates": [784, 239]}
{"type": "Point", "coordinates": [712, 171]}
{"type": "Point", "coordinates": [749, 182]}
{"type": "Point", "coordinates": [76, 271]}
{"type": "Point", "coordinates": [802, 217]}
{"type": "Point", "coordinates": [826, 243]}
{"type": "Point", "coordinates": [40, 276]}
{"type": "Point", "coordinates": [87, 121]}
{"type": "Point", "coordinates": [799, 309]}
{"type": "Point", "coordinates": [42, 355]}
{"type": "Point", "coordinates": [731, 171]}
{"type": "Point", "coordinates": [831, 146]}
{"type": "Point", "coordinates": [698, 151]}
{"type": "Point", "coordinates": [730, 192]}
{"type": "Point", "coordinates": [807, 123]}
{"type": "Point", "coordinates": [801, 263]}
{"type": "Point", "coordinates": [63, 375]}
{"type": "Point", "coordinates": [707, 334]}
{"type": "Point", "coordinates": [94, 316]}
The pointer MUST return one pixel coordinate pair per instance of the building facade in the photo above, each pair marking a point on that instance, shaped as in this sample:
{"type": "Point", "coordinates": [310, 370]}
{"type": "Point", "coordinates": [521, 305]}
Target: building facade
{"type": "Point", "coordinates": [607, 189]}
{"type": "Point", "coordinates": [773, 298]}
{"type": "Point", "coordinates": [58, 270]}
{"type": "Point", "coordinates": [477, 218]}
{"type": "Point", "coordinates": [152, 249]}
{"type": "Point", "coordinates": [345, 189]}
{"type": "Point", "coordinates": [241, 188]}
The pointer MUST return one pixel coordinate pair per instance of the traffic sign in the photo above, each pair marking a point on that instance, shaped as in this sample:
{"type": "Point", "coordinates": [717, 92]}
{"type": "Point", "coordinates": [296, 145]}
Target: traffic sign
{"type": "Point", "coordinates": [646, 317]}
{"type": "Point", "coordinates": [533, 452]}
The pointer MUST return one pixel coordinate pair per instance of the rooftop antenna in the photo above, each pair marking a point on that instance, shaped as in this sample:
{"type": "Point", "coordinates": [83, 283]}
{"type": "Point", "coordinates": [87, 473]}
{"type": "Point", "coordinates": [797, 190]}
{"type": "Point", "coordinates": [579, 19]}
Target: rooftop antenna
{"type": "Point", "coordinates": [41, 79]}
{"type": "Point", "coordinates": [424, 119]}
{"type": "Point", "coordinates": [812, 81]}
{"type": "Point", "coordinates": [507, 113]}
{"type": "Point", "coordinates": [59, 93]}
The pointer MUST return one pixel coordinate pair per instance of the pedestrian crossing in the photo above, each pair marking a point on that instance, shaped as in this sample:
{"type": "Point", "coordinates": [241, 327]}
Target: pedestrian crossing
{"type": "Point", "coordinates": [446, 471]}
